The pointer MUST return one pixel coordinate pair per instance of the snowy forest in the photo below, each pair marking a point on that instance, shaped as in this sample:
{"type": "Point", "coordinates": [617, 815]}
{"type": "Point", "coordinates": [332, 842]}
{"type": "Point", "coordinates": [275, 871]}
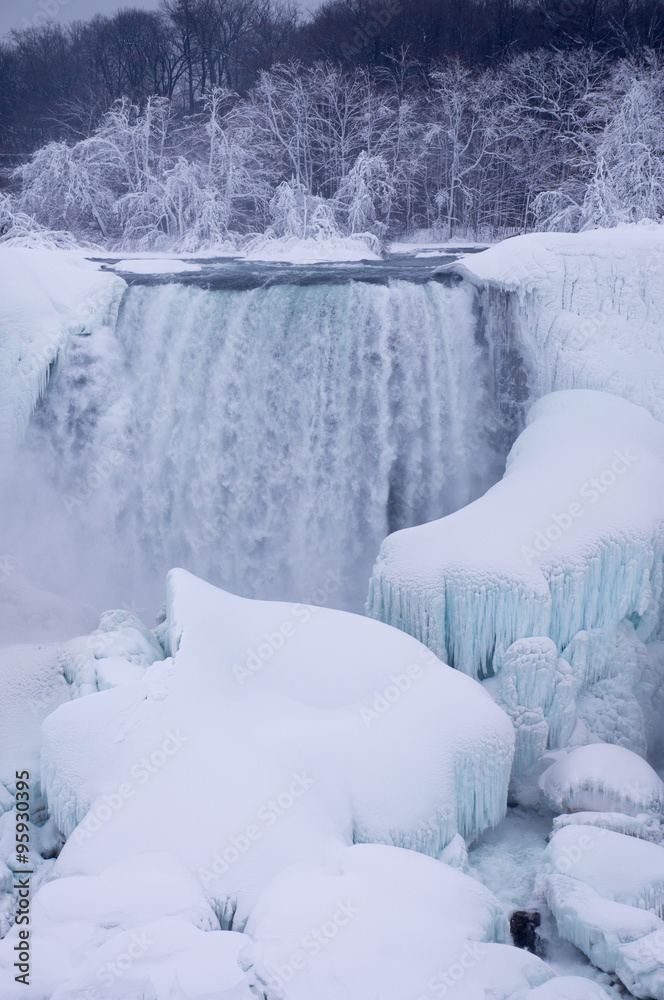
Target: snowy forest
{"type": "Point", "coordinates": [210, 121]}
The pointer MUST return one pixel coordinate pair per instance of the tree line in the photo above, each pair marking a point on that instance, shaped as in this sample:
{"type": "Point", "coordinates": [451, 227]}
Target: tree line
{"type": "Point", "coordinates": [247, 120]}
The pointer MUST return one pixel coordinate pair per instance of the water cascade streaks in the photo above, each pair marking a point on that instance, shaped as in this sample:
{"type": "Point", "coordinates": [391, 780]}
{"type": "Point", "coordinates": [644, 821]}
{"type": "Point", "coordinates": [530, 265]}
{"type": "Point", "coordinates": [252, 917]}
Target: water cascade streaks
{"type": "Point", "coordinates": [268, 439]}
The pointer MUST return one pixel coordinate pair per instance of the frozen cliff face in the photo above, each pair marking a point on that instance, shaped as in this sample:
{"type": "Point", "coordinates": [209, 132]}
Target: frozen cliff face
{"type": "Point", "coordinates": [46, 296]}
{"type": "Point", "coordinates": [567, 547]}
{"type": "Point", "coordinates": [289, 727]}
{"type": "Point", "coordinates": [586, 310]}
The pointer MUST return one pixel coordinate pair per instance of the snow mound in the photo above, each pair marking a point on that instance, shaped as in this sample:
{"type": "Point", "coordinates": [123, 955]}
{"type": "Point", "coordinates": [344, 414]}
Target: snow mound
{"type": "Point", "coordinates": [291, 249]}
{"type": "Point", "coordinates": [568, 547]}
{"type": "Point", "coordinates": [288, 726]}
{"type": "Point", "coordinates": [155, 265]}
{"type": "Point", "coordinates": [606, 892]}
{"type": "Point", "coordinates": [643, 825]}
{"type": "Point", "coordinates": [380, 921]}
{"type": "Point", "coordinates": [45, 296]}
{"type": "Point", "coordinates": [568, 988]}
{"type": "Point", "coordinates": [589, 311]}
{"type": "Point", "coordinates": [602, 778]}
{"type": "Point", "coordinates": [143, 927]}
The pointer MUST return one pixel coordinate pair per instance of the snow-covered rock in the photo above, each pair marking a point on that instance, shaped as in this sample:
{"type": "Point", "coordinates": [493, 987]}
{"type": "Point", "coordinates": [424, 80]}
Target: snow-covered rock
{"type": "Point", "coordinates": [47, 295]}
{"type": "Point", "coordinates": [644, 826]}
{"type": "Point", "coordinates": [378, 921]}
{"type": "Point", "coordinates": [602, 778]}
{"type": "Point", "coordinates": [568, 988]}
{"type": "Point", "coordinates": [268, 731]}
{"type": "Point", "coordinates": [606, 892]}
{"type": "Point", "coordinates": [567, 546]}
{"type": "Point", "coordinates": [141, 928]}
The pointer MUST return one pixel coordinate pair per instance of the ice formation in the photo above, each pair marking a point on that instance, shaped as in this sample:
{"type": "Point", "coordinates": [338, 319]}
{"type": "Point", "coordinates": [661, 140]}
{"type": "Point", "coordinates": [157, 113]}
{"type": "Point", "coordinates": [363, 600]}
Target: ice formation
{"type": "Point", "coordinates": [289, 726]}
{"type": "Point", "coordinates": [586, 310]}
{"type": "Point", "coordinates": [329, 930]}
{"type": "Point", "coordinates": [606, 892]}
{"type": "Point", "coordinates": [141, 928]}
{"type": "Point", "coordinates": [46, 296]}
{"type": "Point", "coordinates": [602, 778]}
{"type": "Point", "coordinates": [567, 547]}
{"type": "Point", "coordinates": [280, 432]}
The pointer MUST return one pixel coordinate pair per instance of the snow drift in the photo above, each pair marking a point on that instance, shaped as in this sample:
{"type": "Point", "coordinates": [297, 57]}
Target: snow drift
{"type": "Point", "coordinates": [289, 727]}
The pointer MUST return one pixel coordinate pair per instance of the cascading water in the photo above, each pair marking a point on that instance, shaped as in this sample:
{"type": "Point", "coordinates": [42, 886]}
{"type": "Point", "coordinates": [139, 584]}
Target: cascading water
{"type": "Point", "coordinates": [268, 438]}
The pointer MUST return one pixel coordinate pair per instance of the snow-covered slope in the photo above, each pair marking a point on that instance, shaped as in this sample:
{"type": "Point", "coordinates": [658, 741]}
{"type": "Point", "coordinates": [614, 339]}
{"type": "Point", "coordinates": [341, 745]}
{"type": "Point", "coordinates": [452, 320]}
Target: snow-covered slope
{"type": "Point", "coordinates": [567, 547]}
{"type": "Point", "coordinates": [586, 309]}
{"type": "Point", "coordinates": [269, 731]}
{"type": "Point", "coordinates": [46, 296]}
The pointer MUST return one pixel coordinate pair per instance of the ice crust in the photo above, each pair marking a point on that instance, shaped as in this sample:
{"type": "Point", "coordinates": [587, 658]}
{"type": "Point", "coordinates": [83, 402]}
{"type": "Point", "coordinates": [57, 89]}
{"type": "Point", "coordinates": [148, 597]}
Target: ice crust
{"type": "Point", "coordinates": [47, 295]}
{"type": "Point", "coordinates": [606, 892]}
{"type": "Point", "coordinates": [355, 728]}
{"type": "Point", "coordinates": [586, 309]}
{"type": "Point", "coordinates": [557, 600]}
{"type": "Point", "coordinates": [603, 778]}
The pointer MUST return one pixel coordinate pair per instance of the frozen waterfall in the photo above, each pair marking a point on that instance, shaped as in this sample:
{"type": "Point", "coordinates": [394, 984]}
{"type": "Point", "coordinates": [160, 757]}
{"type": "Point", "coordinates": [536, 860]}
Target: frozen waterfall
{"type": "Point", "coordinates": [268, 438]}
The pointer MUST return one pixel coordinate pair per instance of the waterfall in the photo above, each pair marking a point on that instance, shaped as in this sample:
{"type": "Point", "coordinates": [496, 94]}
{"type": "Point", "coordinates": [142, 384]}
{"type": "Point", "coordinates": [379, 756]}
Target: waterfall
{"type": "Point", "coordinates": [268, 438]}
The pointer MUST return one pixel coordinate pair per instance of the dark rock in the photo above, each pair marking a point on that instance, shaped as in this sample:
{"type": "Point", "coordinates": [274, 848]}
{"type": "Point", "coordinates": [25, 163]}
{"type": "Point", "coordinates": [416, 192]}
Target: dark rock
{"type": "Point", "coordinates": [523, 928]}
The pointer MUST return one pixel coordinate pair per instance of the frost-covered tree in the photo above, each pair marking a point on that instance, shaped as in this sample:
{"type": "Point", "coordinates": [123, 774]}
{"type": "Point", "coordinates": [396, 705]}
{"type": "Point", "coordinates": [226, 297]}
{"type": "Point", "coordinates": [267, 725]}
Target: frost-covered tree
{"type": "Point", "coordinates": [628, 181]}
{"type": "Point", "coordinates": [365, 196]}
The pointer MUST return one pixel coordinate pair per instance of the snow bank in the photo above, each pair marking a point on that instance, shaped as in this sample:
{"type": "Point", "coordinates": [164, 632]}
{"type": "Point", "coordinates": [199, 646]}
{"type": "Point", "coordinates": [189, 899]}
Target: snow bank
{"type": "Point", "coordinates": [288, 727]}
{"type": "Point", "coordinates": [588, 308]}
{"type": "Point", "coordinates": [293, 250]}
{"type": "Point", "coordinates": [606, 892]}
{"type": "Point", "coordinates": [155, 265]}
{"type": "Point", "coordinates": [568, 546]}
{"type": "Point", "coordinates": [377, 921]}
{"type": "Point", "coordinates": [143, 927]}
{"type": "Point", "coordinates": [568, 988]}
{"type": "Point", "coordinates": [45, 296]}
{"type": "Point", "coordinates": [603, 778]}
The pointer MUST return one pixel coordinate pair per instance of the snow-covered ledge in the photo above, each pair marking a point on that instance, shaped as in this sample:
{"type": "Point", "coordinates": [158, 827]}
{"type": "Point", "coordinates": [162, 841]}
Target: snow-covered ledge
{"type": "Point", "coordinates": [48, 295]}
{"type": "Point", "coordinates": [588, 308]}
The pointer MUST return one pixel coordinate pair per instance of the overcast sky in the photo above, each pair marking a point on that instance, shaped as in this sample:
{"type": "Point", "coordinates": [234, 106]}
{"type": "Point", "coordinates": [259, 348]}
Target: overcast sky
{"type": "Point", "coordinates": [23, 13]}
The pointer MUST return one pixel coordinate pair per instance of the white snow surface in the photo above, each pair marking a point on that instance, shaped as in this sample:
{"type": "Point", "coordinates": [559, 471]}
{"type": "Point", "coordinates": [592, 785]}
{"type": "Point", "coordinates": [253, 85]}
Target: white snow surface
{"type": "Point", "coordinates": [567, 547]}
{"type": "Point", "coordinates": [606, 892]}
{"type": "Point", "coordinates": [603, 778]}
{"type": "Point", "coordinates": [46, 296]}
{"type": "Point", "coordinates": [155, 265]}
{"type": "Point", "coordinates": [589, 307]}
{"type": "Point", "coordinates": [377, 921]}
{"type": "Point", "coordinates": [311, 250]}
{"type": "Point", "coordinates": [141, 928]}
{"type": "Point", "coordinates": [290, 727]}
